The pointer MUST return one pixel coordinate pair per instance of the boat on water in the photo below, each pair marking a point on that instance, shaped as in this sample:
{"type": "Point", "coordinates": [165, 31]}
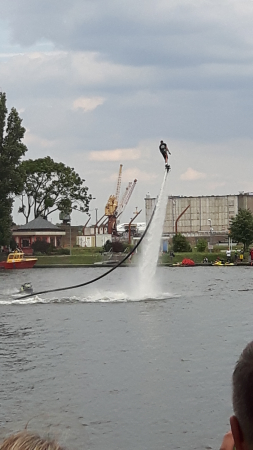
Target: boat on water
{"type": "Point", "coordinates": [17, 260]}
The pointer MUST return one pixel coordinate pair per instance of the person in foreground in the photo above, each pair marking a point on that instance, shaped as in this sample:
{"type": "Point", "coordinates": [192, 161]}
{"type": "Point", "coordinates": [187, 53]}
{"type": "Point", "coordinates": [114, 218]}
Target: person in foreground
{"type": "Point", "coordinates": [241, 435]}
{"type": "Point", "coordinates": [28, 441]}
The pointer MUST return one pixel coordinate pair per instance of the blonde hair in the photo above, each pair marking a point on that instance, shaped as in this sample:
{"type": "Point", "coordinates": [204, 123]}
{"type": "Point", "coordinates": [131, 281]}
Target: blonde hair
{"type": "Point", "coordinates": [28, 441]}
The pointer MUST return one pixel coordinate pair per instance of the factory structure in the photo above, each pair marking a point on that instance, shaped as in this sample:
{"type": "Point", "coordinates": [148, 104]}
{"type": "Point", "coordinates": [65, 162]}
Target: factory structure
{"type": "Point", "coordinates": [200, 217]}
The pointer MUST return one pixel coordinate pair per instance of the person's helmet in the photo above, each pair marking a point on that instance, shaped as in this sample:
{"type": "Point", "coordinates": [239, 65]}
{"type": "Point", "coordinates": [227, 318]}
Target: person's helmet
{"type": "Point", "coordinates": [161, 142]}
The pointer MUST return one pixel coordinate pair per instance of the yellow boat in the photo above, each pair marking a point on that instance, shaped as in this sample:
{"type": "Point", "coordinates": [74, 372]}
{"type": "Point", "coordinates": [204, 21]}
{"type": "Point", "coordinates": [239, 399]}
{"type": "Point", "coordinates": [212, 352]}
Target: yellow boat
{"type": "Point", "coordinates": [17, 260]}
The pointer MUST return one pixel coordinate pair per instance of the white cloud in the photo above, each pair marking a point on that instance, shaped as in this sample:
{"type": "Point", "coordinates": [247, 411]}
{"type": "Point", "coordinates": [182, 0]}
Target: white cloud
{"type": "Point", "coordinates": [135, 173]}
{"type": "Point", "coordinates": [37, 141]}
{"type": "Point", "coordinates": [88, 103]}
{"type": "Point", "coordinates": [126, 154]}
{"type": "Point", "coordinates": [192, 175]}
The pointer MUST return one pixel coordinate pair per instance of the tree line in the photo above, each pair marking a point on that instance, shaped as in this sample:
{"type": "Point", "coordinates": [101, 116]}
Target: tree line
{"type": "Point", "coordinates": [42, 185]}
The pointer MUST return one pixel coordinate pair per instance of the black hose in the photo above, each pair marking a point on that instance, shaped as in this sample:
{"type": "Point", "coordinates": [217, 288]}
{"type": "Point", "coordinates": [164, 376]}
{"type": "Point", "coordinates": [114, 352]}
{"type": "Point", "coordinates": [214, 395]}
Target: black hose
{"type": "Point", "coordinates": [101, 276]}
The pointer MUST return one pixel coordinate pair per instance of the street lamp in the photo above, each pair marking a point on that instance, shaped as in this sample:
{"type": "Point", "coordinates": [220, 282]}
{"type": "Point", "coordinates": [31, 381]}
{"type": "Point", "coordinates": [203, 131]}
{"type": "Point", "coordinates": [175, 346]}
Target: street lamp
{"type": "Point", "coordinates": [70, 235]}
{"type": "Point", "coordinates": [211, 229]}
{"type": "Point", "coordinates": [173, 214]}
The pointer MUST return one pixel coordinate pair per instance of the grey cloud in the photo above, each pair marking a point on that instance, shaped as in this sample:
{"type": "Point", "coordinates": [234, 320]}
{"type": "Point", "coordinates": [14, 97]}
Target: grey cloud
{"type": "Point", "coordinates": [131, 33]}
{"type": "Point", "coordinates": [123, 122]}
{"type": "Point", "coordinates": [127, 116]}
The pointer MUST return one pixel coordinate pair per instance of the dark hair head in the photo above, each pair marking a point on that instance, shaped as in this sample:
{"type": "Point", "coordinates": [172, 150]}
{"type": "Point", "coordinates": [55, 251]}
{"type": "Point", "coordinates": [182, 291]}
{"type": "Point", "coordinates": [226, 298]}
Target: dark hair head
{"type": "Point", "coordinates": [243, 393]}
{"type": "Point", "coordinates": [25, 440]}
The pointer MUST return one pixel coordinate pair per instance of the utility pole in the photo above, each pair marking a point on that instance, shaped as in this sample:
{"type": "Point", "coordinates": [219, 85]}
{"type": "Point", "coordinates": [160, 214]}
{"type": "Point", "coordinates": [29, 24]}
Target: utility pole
{"type": "Point", "coordinates": [70, 235]}
{"type": "Point", "coordinates": [211, 230]}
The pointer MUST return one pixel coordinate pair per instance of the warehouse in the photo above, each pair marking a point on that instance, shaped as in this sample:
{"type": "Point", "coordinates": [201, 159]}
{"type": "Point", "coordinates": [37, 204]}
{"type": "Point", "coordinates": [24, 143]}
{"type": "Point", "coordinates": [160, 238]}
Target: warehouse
{"type": "Point", "coordinates": [203, 216]}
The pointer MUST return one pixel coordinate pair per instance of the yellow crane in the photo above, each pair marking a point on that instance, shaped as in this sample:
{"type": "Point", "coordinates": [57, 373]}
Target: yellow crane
{"type": "Point", "coordinates": [113, 200]}
{"type": "Point", "coordinates": [114, 207]}
{"type": "Point", "coordinates": [112, 204]}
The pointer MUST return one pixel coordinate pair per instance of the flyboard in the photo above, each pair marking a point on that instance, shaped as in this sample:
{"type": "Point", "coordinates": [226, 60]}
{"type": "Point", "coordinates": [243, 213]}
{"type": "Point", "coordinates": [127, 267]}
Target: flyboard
{"type": "Point", "coordinates": [167, 168]}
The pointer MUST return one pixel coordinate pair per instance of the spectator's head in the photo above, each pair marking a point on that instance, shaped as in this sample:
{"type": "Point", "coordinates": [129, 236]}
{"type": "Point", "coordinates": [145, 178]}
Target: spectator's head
{"type": "Point", "coordinates": [242, 421]}
{"type": "Point", "coordinates": [28, 441]}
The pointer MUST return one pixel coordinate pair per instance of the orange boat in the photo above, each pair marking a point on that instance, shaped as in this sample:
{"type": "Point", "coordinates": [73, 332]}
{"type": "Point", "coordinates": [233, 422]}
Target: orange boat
{"type": "Point", "coordinates": [17, 260]}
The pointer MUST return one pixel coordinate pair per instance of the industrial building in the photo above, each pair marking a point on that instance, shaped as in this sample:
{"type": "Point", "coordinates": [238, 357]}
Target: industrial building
{"type": "Point", "coordinates": [203, 216]}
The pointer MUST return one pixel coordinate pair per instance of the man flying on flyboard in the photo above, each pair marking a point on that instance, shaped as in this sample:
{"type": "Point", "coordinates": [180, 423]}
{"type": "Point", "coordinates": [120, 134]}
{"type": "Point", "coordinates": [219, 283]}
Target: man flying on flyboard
{"type": "Point", "coordinates": [165, 152]}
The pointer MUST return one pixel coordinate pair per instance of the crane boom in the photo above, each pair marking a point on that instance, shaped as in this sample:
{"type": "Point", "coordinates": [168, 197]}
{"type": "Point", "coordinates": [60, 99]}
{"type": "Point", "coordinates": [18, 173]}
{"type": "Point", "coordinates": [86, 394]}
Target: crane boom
{"type": "Point", "coordinates": [118, 183]}
{"type": "Point", "coordinates": [122, 201]}
{"type": "Point", "coordinates": [126, 197]}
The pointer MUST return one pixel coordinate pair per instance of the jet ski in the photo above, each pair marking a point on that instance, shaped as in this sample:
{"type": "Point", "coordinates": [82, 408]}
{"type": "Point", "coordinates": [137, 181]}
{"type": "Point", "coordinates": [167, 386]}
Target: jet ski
{"type": "Point", "coordinates": [25, 288]}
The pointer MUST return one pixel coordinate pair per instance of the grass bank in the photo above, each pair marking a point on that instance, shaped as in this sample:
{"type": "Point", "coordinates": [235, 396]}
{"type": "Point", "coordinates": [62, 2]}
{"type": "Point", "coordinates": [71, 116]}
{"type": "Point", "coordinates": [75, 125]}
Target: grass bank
{"type": "Point", "coordinates": [68, 260]}
{"type": "Point", "coordinates": [94, 255]}
{"type": "Point", "coordinates": [78, 255]}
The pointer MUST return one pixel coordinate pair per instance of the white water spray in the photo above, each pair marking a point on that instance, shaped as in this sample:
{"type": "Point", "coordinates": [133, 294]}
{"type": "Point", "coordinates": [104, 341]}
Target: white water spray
{"type": "Point", "coordinates": [151, 246]}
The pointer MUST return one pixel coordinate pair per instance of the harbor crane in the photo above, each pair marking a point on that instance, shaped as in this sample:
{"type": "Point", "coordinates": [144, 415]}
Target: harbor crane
{"type": "Point", "coordinates": [114, 208]}
{"type": "Point", "coordinates": [126, 196]}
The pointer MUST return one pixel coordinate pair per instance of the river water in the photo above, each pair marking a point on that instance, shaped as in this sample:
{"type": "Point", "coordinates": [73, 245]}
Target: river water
{"type": "Point", "coordinates": [99, 369]}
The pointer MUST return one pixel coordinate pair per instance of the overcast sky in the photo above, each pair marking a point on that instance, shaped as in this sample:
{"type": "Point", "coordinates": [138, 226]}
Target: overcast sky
{"type": "Point", "coordinates": [101, 82]}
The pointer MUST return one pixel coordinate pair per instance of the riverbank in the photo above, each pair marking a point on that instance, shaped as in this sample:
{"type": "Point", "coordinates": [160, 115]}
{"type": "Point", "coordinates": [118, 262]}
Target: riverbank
{"type": "Point", "coordinates": [59, 266]}
{"type": "Point", "coordinates": [105, 265]}
{"type": "Point", "coordinates": [89, 258]}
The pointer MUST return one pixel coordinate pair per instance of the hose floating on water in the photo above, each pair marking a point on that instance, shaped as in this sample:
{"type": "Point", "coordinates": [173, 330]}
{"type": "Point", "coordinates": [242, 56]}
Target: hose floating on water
{"type": "Point", "coordinates": [100, 276]}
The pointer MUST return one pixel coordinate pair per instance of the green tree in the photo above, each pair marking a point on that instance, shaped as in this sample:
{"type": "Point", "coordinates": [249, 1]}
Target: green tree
{"type": "Point", "coordinates": [201, 245]}
{"type": "Point", "coordinates": [51, 186]}
{"type": "Point", "coordinates": [11, 173]}
{"type": "Point", "coordinates": [5, 220]}
{"type": "Point", "coordinates": [180, 243]}
{"type": "Point", "coordinates": [241, 227]}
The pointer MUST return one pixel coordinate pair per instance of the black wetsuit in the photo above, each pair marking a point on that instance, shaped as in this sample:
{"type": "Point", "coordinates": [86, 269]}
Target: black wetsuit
{"type": "Point", "coordinates": [163, 150]}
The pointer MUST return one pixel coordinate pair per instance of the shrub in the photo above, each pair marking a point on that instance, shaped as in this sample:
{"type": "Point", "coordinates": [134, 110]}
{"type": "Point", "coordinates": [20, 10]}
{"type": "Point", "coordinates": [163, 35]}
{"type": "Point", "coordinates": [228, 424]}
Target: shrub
{"type": "Point", "coordinates": [116, 247]}
{"type": "Point", "coordinates": [201, 245]}
{"type": "Point", "coordinates": [42, 247]}
{"type": "Point", "coordinates": [180, 244]}
{"type": "Point", "coordinates": [107, 246]}
{"type": "Point", "coordinates": [62, 251]}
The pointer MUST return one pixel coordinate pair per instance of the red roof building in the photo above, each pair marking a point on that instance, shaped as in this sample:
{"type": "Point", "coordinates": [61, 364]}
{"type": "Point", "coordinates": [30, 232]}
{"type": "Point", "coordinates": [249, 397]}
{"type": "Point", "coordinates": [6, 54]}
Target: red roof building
{"type": "Point", "coordinates": [38, 229]}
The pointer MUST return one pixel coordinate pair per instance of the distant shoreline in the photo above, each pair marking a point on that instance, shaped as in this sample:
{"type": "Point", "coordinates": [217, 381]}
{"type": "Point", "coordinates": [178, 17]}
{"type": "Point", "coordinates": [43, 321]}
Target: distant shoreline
{"type": "Point", "coordinates": [60, 266]}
